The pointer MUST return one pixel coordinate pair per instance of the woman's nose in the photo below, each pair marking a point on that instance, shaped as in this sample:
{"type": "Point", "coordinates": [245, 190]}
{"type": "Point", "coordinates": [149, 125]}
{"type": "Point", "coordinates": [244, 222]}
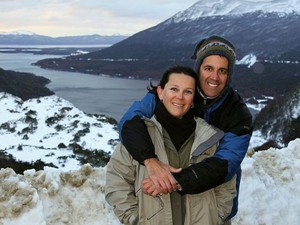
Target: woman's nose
{"type": "Point", "coordinates": [180, 95]}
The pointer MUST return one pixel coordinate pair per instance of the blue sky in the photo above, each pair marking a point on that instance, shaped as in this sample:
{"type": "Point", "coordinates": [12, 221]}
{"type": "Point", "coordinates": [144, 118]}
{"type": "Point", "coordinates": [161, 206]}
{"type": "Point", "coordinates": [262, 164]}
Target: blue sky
{"type": "Point", "coordinates": [81, 17]}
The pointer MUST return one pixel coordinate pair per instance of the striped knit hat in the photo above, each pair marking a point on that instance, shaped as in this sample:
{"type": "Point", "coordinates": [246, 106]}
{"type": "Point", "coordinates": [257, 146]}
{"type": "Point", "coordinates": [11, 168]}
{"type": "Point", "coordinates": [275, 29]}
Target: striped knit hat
{"type": "Point", "coordinates": [215, 46]}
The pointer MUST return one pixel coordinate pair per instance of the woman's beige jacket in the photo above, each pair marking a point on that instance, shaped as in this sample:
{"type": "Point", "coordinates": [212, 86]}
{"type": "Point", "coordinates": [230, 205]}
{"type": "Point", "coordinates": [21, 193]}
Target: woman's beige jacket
{"type": "Point", "coordinates": [132, 206]}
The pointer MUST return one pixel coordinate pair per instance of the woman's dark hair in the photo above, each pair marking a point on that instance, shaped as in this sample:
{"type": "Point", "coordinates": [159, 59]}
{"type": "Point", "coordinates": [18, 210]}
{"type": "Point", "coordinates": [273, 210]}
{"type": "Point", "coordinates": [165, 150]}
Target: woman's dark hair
{"type": "Point", "coordinates": [178, 69]}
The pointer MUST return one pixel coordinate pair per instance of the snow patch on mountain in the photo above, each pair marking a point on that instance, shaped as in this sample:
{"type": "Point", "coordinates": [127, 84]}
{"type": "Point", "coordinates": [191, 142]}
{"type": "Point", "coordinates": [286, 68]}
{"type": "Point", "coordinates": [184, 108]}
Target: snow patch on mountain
{"type": "Point", "coordinates": [18, 32]}
{"type": "Point", "coordinates": [247, 60]}
{"type": "Point", "coordinates": [212, 8]}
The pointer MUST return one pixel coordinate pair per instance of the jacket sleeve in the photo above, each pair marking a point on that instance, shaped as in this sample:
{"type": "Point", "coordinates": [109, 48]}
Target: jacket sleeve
{"type": "Point", "coordinates": [235, 119]}
{"type": "Point", "coordinates": [137, 140]}
{"type": "Point", "coordinates": [233, 149]}
{"type": "Point", "coordinates": [133, 131]}
{"type": "Point", "coordinates": [143, 108]}
{"type": "Point", "coordinates": [225, 194]}
{"type": "Point", "coordinates": [202, 176]}
{"type": "Point", "coordinates": [119, 188]}
{"type": "Point", "coordinates": [213, 171]}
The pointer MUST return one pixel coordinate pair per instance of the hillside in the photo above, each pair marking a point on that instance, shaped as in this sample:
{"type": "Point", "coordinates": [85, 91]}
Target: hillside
{"type": "Point", "coordinates": [279, 121]}
{"type": "Point", "coordinates": [23, 85]}
{"type": "Point", "coordinates": [50, 131]}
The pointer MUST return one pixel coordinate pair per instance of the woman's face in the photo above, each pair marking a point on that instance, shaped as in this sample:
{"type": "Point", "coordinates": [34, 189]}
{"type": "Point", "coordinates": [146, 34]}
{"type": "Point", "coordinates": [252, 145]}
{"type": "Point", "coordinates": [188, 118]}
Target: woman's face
{"type": "Point", "coordinates": [178, 94]}
{"type": "Point", "coordinates": [213, 75]}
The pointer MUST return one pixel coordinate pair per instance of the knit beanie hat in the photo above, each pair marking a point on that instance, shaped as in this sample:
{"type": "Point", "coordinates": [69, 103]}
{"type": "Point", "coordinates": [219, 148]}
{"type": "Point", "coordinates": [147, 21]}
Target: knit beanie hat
{"type": "Point", "coordinates": [215, 46]}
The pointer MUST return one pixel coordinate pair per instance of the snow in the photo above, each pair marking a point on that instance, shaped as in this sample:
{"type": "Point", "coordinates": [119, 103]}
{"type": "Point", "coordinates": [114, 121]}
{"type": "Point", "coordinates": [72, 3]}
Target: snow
{"type": "Point", "coordinates": [40, 125]}
{"type": "Point", "coordinates": [74, 193]}
{"type": "Point", "coordinates": [236, 7]}
{"type": "Point", "coordinates": [268, 193]}
{"type": "Point", "coordinates": [17, 32]}
{"type": "Point", "coordinates": [247, 60]}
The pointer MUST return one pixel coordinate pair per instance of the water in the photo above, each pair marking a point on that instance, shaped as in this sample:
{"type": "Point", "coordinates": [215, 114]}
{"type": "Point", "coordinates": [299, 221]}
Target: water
{"type": "Point", "coordinates": [89, 93]}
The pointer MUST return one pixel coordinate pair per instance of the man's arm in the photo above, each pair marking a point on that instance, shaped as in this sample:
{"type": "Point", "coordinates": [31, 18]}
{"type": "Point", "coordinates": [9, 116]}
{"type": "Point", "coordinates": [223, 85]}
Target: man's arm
{"type": "Point", "coordinates": [216, 170]}
{"type": "Point", "coordinates": [143, 108]}
{"type": "Point", "coordinates": [136, 139]}
{"type": "Point", "coordinates": [233, 149]}
{"type": "Point", "coordinates": [235, 119]}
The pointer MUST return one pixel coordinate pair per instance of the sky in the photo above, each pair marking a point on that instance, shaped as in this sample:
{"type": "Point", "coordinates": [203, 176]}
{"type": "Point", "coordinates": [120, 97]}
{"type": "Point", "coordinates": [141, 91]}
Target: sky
{"type": "Point", "coordinates": [74, 193]}
{"type": "Point", "coordinates": [85, 17]}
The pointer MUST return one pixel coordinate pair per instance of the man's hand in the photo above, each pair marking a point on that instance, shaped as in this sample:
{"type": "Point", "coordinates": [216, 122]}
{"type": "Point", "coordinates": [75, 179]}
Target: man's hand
{"type": "Point", "coordinates": [161, 180]}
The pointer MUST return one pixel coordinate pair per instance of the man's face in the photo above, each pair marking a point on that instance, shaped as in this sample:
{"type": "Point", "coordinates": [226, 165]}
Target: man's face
{"type": "Point", "coordinates": [213, 75]}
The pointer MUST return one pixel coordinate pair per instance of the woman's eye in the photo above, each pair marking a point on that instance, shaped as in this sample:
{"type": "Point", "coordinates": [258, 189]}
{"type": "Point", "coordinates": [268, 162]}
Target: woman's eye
{"type": "Point", "coordinates": [189, 92]}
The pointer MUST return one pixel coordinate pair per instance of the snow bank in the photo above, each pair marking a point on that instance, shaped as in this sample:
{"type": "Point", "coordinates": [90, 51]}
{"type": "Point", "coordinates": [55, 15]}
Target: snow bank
{"type": "Point", "coordinates": [268, 195]}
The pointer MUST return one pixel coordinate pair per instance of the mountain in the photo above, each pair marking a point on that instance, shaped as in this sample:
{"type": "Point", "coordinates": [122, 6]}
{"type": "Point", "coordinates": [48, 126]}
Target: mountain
{"type": "Point", "coordinates": [272, 35]}
{"type": "Point", "coordinates": [28, 38]}
{"type": "Point", "coordinates": [279, 121]}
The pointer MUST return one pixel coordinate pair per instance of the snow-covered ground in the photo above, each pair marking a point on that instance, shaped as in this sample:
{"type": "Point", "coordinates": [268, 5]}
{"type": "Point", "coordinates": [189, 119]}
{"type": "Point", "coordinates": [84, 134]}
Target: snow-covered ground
{"type": "Point", "coordinates": [34, 129]}
{"type": "Point", "coordinates": [269, 193]}
{"type": "Point", "coordinates": [74, 193]}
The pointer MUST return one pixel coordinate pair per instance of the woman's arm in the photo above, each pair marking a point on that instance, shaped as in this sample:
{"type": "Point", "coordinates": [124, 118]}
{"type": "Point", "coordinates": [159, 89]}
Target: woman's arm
{"type": "Point", "coordinates": [120, 183]}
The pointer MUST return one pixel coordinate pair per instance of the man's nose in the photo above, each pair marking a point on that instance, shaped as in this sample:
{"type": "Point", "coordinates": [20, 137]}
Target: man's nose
{"type": "Point", "coordinates": [214, 75]}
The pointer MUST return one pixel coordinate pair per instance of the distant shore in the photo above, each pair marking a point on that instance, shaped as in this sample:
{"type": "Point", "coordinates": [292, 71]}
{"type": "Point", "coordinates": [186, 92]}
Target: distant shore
{"type": "Point", "coordinates": [63, 50]}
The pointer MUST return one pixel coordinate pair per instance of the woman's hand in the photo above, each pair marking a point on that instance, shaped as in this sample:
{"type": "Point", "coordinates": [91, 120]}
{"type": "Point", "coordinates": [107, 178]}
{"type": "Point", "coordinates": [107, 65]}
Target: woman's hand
{"type": "Point", "coordinates": [161, 180]}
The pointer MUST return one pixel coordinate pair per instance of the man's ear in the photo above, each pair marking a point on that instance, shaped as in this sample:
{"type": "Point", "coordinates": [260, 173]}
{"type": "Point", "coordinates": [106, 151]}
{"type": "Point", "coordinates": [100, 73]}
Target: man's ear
{"type": "Point", "coordinates": [159, 92]}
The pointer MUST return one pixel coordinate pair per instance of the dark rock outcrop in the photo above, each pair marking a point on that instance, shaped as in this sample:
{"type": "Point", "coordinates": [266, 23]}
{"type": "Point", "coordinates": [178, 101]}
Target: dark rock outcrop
{"type": "Point", "coordinates": [23, 85]}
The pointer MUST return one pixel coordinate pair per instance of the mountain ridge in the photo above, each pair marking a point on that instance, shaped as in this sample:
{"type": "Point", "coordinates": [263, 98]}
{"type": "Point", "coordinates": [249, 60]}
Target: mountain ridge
{"type": "Point", "coordinates": [29, 38]}
{"type": "Point", "coordinates": [234, 7]}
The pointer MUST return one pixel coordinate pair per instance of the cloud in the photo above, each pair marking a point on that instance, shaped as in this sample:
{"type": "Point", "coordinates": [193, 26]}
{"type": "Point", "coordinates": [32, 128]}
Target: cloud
{"type": "Point", "coordinates": [61, 18]}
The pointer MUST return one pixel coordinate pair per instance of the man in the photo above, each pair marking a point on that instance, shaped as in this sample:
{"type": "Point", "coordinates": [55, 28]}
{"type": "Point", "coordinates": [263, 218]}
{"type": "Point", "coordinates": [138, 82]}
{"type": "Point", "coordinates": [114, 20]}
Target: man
{"type": "Point", "coordinates": [218, 105]}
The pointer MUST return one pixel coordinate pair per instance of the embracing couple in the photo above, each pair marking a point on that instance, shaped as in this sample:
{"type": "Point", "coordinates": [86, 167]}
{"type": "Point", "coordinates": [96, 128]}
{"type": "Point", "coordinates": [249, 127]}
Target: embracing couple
{"type": "Point", "coordinates": [182, 145]}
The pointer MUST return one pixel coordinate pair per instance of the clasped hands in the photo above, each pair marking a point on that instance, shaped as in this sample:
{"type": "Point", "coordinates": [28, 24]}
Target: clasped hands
{"type": "Point", "coordinates": [161, 180]}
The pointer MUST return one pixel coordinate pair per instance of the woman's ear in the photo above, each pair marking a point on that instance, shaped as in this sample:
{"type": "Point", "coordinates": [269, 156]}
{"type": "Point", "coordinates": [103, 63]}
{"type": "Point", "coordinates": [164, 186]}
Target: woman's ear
{"type": "Point", "coordinates": [159, 91]}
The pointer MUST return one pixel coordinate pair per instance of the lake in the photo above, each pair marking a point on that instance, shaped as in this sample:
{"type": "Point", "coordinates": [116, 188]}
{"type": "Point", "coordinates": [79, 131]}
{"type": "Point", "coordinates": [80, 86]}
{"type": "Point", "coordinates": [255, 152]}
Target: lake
{"type": "Point", "coordinates": [90, 93]}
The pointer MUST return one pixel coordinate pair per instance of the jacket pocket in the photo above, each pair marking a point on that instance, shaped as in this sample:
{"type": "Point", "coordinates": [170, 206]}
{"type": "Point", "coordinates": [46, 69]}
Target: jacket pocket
{"type": "Point", "coordinates": [201, 209]}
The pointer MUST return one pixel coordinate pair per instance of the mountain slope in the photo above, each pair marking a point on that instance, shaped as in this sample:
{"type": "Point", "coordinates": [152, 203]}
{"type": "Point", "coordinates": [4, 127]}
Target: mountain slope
{"type": "Point", "coordinates": [279, 121]}
{"type": "Point", "coordinates": [52, 131]}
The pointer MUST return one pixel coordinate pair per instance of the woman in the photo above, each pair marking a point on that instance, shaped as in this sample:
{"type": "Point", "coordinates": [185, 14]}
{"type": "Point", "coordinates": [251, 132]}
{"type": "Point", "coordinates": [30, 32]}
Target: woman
{"type": "Point", "coordinates": [180, 140]}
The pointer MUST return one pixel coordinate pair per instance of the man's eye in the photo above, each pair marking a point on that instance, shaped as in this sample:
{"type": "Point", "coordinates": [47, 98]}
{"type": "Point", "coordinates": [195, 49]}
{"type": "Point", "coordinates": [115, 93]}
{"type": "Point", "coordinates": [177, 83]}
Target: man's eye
{"type": "Point", "coordinates": [223, 71]}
